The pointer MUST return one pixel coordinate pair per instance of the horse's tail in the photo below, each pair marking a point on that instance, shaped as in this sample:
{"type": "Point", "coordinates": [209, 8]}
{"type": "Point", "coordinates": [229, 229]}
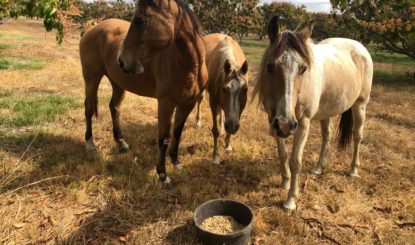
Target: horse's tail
{"type": "Point", "coordinates": [345, 130]}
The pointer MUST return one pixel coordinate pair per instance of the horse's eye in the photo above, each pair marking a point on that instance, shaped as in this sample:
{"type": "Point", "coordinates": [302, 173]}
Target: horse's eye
{"type": "Point", "coordinates": [138, 21]}
{"type": "Point", "coordinates": [225, 89]}
{"type": "Point", "coordinates": [303, 69]}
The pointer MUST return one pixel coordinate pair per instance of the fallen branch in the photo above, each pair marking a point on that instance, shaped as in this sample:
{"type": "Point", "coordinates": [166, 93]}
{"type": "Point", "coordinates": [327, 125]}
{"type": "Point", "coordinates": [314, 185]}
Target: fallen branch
{"type": "Point", "coordinates": [35, 183]}
{"type": "Point", "coordinates": [405, 224]}
{"type": "Point", "coordinates": [322, 234]}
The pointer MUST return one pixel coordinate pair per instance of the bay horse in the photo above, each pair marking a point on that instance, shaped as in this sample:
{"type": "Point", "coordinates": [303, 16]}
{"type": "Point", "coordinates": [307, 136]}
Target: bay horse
{"type": "Point", "coordinates": [301, 81]}
{"type": "Point", "coordinates": [159, 55]}
{"type": "Point", "coordinates": [227, 86]}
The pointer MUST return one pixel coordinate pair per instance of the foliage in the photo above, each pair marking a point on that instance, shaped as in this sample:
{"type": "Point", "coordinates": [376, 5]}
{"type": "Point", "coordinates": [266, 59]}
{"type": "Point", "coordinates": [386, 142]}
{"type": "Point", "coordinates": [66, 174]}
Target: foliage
{"type": "Point", "coordinates": [101, 9]}
{"type": "Point", "coordinates": [56, 14]}
{"type": "Point", "coordinates": [391, 24]}
{"type": "Point", "coordinates": [291, 16]}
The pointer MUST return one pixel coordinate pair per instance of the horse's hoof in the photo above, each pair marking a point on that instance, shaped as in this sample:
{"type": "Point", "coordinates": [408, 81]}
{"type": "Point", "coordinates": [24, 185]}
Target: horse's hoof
{"type": "Point", "coordinates": [167, 184]}
{"type": "Point", "coordinates": [354, 174]}
{"type": "Point", "coordinates": [229, 149]}
{"type": "Point", "coordinates": [90, 145]}
{"type": "Point", "coordinates": [123, 146]}
{"type": "Point", "coordinates": [289, 205]}
{"type": "Point", "coordinates": [178, 166]}
{"type": "Point", "coordinates": [216, 160]}
{"type": "Point", "coordinates": [285, 185]}
{"type": "Point", "coordinates": [317, 170]}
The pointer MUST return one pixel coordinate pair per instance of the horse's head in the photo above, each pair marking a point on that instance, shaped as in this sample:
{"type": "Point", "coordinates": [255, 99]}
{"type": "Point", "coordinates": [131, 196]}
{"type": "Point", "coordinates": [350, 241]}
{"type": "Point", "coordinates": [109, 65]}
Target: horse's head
{"type": "Point", "coordinates": [234, 95]}
{"type": "Point", "coordinates": [153, 28]}
{"type": "Point", "coordinates": [285, 63]}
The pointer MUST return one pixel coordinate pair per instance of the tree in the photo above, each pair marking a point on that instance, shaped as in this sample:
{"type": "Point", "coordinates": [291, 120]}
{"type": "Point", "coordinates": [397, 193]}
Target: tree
{"type": "Point", "coordinates": [243, 19]}
{"type": "Point", "coordinates": [291, 16]}
{"type": "Point", "coordinates": [102, 9]}
{"type": "Point", "coordinates": [56, 14]}
{"type": "Point", "coordinates": [391, 24]}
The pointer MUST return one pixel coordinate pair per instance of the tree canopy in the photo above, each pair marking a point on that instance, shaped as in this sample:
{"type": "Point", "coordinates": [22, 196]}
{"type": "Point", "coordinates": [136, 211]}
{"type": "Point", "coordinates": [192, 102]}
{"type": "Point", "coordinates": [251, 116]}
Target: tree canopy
{"type": "Point", "coordinates": [391, 24]}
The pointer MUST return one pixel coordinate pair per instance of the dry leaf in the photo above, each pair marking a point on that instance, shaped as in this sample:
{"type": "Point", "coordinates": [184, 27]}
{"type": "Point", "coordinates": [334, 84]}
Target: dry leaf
{"type": "Point", "coordinates": [52, 220]}
{"type": "Point", "coordinates": [19, 225]}
{"type": "Point", "coordinates": [122, 239]}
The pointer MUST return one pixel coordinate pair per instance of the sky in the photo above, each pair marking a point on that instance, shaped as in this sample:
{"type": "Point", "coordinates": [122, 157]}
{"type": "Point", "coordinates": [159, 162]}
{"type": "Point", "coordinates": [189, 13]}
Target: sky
{"type": "Point", "coordinates": [312, 5]}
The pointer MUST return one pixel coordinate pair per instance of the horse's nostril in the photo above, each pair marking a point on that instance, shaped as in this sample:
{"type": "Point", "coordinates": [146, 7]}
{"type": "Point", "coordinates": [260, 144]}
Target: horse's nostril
{"type": "Point", "coordinates": [121, 64]}
{"type": "Point", "coordinates": [275, 124]}
{"type": "Point", "coordinates": [293, 125]}
{"type": "Point", "coordinates": [226, 127]}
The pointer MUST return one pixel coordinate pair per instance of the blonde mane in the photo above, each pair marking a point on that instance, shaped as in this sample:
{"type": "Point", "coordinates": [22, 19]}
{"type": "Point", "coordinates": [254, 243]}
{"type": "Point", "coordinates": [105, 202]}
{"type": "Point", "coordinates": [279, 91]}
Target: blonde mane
{"type": "Point", "coordinates": [223, 51]}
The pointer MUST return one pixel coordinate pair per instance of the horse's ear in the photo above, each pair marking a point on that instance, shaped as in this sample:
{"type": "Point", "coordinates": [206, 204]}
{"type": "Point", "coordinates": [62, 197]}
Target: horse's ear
{"type": "Point", "coordinates": [273, 29]}
{"type": "Point", "coordinates": [227, 67]}
{"type": "Point", "coordinates": [244, 68]}
{"type": "Point", "coordinates": [308, 29]}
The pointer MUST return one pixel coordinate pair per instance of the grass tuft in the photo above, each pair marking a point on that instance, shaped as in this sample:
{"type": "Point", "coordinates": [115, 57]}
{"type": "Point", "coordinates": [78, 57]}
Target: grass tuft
{"type": "Point", "coordinates": [15, 36]}
{"type": "Point", "coordinates": [21, 63]}
{"type": "Point", "coordinates": [34, 109]}
{"type": "Point", "coordinates": [4, 46]}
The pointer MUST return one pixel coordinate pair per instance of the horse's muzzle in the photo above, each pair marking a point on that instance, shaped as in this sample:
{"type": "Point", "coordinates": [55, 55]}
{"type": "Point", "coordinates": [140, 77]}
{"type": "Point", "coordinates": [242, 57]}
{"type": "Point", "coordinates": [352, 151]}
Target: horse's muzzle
{"type": "Point", "coordinates": [284, 127]}
{"type": "Point", "coordinates": [134, 67]}
{"type": "Point", "coordinates": [232, 126]}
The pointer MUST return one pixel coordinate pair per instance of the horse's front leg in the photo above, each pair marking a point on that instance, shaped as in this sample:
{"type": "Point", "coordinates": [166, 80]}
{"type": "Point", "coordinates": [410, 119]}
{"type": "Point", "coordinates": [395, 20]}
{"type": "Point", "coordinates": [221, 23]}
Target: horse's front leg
{"type": "Point", "coordinates": [182, 113]}
{"type": "Point", "coordinates": [215, 130]}
{"type": "Point", "coordinates": [165, 113]}
{"type": "Point", "coordinates": [115, 103]}
{"type": "Point", "coordinates": [228, 146]}
{"type": "Point", "coordinates": [300, 138]}
{"type": "Point", "coordinates": [199, 112]}
{"type": "Point", "coordinates": [285, 171]}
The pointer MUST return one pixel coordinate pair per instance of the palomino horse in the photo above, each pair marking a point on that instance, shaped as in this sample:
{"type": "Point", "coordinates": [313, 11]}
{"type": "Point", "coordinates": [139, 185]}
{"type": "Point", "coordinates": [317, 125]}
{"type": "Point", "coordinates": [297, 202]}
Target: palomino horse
{"type": "Point", "coordinates": [301, 81]}
{"type": "Point", "coordinates": [227, 86]}
{"type": "Point", "coordinates": [160, 55]}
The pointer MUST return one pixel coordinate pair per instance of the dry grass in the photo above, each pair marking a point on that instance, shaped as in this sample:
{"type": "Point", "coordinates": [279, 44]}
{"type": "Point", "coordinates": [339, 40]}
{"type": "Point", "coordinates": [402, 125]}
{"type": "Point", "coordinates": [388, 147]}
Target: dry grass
{"type": "Point", "coordinates": [55, 192]}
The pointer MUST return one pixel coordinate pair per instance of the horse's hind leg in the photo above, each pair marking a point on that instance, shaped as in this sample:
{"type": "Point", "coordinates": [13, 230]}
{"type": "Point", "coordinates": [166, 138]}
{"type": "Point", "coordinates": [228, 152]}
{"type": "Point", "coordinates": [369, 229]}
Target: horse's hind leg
{"type": "Point", "coordinates": [359, 115]}
{"type": "Point", "coordinates": [199, 112]}
{"type": "Point", "coordinates": [325, 135]}
{"type": "Point", "coordinates": [116, 100]}
{"type": "Point", "coordinates": [182, 113]}
{"type": "Point", "coordinates": [91, 107]}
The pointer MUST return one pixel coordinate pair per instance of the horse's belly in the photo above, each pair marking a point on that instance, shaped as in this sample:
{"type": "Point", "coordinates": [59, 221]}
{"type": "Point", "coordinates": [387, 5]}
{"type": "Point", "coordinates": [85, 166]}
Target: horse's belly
{"type": "Point", "coordinates": [334, 106]}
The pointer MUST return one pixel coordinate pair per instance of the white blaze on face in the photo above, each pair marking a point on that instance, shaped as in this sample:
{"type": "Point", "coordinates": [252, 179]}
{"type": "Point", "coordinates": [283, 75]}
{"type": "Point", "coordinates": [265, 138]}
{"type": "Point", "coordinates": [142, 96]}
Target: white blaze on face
{"type": "Point", "coordinates": [289, 61]}
{"type": "Point", "coordinates": [234, 88]}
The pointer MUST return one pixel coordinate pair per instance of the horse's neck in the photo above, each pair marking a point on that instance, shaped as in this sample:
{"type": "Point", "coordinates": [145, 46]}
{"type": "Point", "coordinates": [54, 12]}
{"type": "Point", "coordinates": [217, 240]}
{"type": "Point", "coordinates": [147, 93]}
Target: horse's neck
{"type": "Point", "coordinates": [187, 53]}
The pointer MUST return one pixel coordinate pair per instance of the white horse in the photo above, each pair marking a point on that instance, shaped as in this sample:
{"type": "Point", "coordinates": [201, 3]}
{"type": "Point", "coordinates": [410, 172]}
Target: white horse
{"type": "Point", "coordinates": [300, 81]}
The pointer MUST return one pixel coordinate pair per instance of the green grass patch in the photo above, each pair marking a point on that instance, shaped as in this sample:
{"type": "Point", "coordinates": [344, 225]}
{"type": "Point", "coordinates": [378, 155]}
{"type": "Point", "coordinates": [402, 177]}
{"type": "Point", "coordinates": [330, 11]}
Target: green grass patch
{"type": "Point", "coordinates": [4, 46]}
{"type": "Point", "coordinates": [34, 109]}
{"type": "Point", "coordinates": [385, 57]}
{"type": "Point", "coordinates": [254, 44]}
{"type": "Point", "coordinates": [393, 79]}
{"type": "Point", "coordinates": [21, 63]}
{"type": "Point", "coordinates": [253, 50]}
{"type": "Point", "coordinates": [15, 36]}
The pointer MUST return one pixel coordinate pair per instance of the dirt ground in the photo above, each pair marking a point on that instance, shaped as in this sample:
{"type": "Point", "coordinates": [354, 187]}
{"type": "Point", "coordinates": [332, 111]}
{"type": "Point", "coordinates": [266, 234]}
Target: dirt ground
{"type": "Point", "coordinates": [53, 192]}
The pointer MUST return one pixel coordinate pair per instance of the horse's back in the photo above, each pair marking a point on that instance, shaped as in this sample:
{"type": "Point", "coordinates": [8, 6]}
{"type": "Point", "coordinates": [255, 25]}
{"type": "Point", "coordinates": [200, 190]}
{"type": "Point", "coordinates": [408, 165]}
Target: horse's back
{"type": "Point", "coordinates": [345, 69]}
{"type": "Point", "coordinates": [99, 42]}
